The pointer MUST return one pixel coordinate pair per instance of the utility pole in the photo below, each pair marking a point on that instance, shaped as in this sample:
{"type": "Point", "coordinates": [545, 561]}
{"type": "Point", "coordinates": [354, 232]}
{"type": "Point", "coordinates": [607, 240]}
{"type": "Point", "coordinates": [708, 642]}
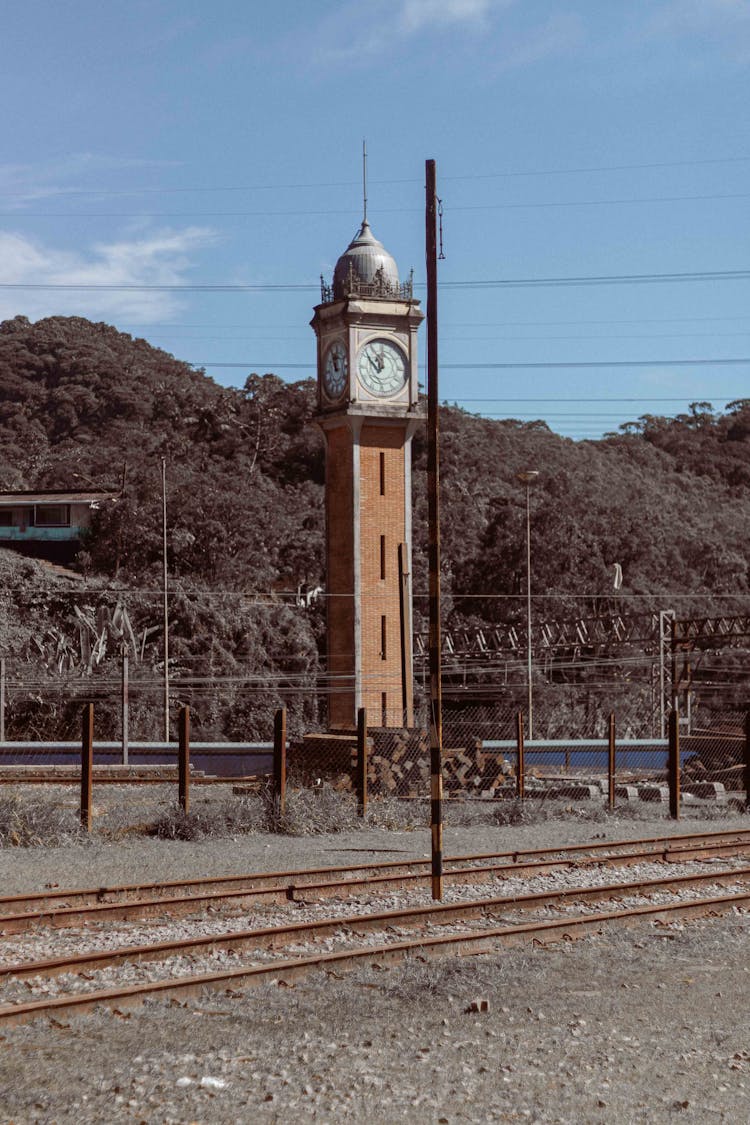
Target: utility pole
{"type": "Point", "coordinates": [407, 690]}
{"type": "Point", "coordinates": [2, 699]}
{"type": "Point", "coordinates": [125, 706]}
{"type": "Point", "coordinates": [527, 477]}
{"type": "Point", "coordinates": [433, 517]}
{"type": "Point", "coordinates": [666, 618]}
{"type": "Point", "coordinates": [166, 592]}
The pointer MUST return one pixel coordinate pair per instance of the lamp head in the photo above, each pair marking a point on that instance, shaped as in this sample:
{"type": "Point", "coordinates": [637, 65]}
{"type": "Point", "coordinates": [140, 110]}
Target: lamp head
{"type": "Point", "coordinates": [527, 476]}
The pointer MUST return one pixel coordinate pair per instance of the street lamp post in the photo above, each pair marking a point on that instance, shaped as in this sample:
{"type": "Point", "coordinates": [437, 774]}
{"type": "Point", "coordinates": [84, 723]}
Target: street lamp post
{"type": "Point", "coordinates": [527, 477]}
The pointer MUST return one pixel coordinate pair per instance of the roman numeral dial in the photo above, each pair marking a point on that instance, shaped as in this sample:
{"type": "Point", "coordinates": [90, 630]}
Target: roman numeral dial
{"type": "Point", "coordinates": [381, 367]}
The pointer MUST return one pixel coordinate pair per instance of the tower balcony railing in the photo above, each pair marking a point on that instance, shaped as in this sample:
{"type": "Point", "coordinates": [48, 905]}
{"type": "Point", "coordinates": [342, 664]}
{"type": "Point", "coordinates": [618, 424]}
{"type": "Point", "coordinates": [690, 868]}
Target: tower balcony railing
{"type": "Point", "coordinates": [380, 287]}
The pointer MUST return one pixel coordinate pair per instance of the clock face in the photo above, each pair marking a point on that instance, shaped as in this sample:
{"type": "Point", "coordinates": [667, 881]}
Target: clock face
{"type": "Point", "coordinates": [335, 370]}
{"type": "Point", "coordinates": [381, 367]}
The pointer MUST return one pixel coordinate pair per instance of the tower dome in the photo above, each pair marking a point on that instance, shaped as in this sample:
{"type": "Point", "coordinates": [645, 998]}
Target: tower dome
{"type": "Point", "coordinates": [365, 262]}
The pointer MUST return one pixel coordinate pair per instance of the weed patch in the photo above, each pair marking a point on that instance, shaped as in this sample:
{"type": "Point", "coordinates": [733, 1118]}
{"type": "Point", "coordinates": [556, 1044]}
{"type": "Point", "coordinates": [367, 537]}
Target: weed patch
{"type": "Point", "coordinates": [25, 824]}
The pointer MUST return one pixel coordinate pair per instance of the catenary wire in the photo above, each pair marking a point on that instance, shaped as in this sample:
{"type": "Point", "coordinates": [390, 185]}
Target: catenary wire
{"type": "Point", "coordinates": [482, 283]}
{"type": "Point", "coordinates": [511, 173]}
{"type": "Point", "coordinates": [704, 362]}
{"type": "Point", "coordinates": [307, 212]}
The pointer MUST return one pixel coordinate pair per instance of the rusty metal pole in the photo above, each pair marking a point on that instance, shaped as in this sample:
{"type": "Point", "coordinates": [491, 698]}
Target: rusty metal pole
{"type": "Point", "coordinates": [2, 699]}
{"type": "Point", "coordinates": [520, 763]}
{"type": "Point", "coordinates": [183, 760]}
{"type": "Point", "coordinates": [747, 759]}
{"type": "Point", "coordinates": [125, 708]}
{"type": "Point", "coordinates": [87, 765]}
{"type": "Point", "coordinates": [407, 687]}
{"type": "Point", "coordinates": [673, 770]}
{"type": "Point", "coordinates": [673, 663]}
{"type": "Point", "coordinates": [433, 519]}
{"type": "Point", "coordinates": [279, 759]}
{"type": "Point", "coordinates": [165, 592]}
{"type": "Point", "coordinates": [612, 763]}
{"type": "Point", "coordinates": [361, 761]}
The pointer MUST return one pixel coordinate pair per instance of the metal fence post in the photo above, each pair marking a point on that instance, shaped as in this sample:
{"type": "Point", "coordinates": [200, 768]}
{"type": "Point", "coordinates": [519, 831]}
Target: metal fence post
{"type": "Point", "coordinates": [673, 768]}
{"type": "Point", "coordinates": [520, 766]}
{"type": "Point", "coordinates": [612, 763]}
{"type": "Point", "coordinates": [279, 759]}
{"type": "Point", "coordinates": [747, 759]}
{"type": "Point", "coordinates": [361, 761]}
{"type": "Point", "coordinates": [2, 699]}
{"type": "Point", "coordinates": [125, 709]}
{"type": "Point", "coordinates": [183, 760]}
{"type": "Point", "coordinates": [87, 765]}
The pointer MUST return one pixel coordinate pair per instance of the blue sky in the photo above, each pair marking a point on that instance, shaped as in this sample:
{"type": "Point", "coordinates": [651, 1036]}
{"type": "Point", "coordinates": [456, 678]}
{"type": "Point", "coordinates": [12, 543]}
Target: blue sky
{"type": "Point", "coordinates": [187, 143]}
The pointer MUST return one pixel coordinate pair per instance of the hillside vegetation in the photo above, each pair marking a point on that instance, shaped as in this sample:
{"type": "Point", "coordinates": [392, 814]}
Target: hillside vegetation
{"type": "Point", "coordinates": [82, 404]}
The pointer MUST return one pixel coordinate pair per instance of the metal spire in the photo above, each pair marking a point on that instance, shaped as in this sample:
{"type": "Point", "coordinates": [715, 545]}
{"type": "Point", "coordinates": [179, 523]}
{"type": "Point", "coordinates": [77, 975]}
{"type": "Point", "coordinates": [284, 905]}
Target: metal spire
{"type": "Point", "coordinates": [364, 180]}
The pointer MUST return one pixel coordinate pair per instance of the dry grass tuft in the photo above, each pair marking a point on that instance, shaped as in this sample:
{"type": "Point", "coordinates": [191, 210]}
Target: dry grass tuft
{"type": "Point", "coordinates": [25, 824]}
{"type": "Point", "coordinates": [308, 812]}
{"type": "Point", "coordinates": [237, 816]}
{"type": "Point", "coordinates": [313, 812]}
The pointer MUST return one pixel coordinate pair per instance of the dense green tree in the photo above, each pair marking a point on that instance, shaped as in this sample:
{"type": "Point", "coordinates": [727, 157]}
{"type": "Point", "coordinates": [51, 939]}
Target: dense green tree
{"type": "Point", "coordinates": [82, 404]}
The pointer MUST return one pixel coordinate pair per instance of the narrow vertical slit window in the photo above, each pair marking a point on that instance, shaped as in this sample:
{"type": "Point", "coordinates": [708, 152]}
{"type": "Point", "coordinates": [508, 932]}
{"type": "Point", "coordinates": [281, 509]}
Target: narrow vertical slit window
{"type": "Point", "coordinates": [383, 652]}
{"type": "Point", "coordinates": [383, 709]}
{"type": "Point", "coordinates": [382, 474]}
{"type": "Point", "coordinates": [382, 556]}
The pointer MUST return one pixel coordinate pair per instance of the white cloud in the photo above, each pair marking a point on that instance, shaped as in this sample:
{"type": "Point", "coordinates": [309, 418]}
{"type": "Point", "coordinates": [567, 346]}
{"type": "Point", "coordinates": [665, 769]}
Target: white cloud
{"type": "Point", "coordinates": [156, 258]}
{"type": "Point", "coordinates": [76, 173]}
{"type": "Point", "coordinates": [416, 15]}
{"type": "Point", "coordinates": [561, 34]}
{"type": "Point", "coordinates": [723, 22]}
{"type": "Point", "coordinates": [357, 32]}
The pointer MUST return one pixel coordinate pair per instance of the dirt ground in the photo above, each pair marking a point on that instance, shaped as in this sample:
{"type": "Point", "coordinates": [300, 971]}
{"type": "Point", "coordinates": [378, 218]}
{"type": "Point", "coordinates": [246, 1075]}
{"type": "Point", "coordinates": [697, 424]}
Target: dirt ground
{"type": "Point", "coordinates": [645, 1025]}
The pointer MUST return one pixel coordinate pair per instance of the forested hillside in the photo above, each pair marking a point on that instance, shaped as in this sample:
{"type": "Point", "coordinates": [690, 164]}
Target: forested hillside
{"type": "Point", "coordinates": [82, 404]}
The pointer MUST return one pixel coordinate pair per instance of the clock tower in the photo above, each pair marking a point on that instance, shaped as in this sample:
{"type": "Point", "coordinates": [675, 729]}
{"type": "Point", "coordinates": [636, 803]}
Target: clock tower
{"type": "Point", "coordinates": [366, 327]}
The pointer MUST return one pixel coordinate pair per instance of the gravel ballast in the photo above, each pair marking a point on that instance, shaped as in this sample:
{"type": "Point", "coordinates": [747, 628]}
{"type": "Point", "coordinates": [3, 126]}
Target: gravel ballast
{"type": "Point", "coordinates": [645, 1025]}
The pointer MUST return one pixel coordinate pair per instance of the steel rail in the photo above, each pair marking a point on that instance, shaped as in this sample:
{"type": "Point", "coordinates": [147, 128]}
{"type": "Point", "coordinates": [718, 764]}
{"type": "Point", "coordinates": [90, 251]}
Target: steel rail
{"type": "Point", "coordinates": [286, 882]}
{"type": "Point", "coordinates": [271, 937]}
{"type": "Point", "coordinates": [68, 916]}
{"type": "Point", "coordinates": [484, 941]}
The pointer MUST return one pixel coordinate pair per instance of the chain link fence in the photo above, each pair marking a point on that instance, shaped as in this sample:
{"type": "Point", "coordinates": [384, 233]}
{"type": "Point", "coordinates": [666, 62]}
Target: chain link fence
{"type": "Point", "coordinates": [566, 738]}
{"type": "Point", "coordinates": [482, 758]}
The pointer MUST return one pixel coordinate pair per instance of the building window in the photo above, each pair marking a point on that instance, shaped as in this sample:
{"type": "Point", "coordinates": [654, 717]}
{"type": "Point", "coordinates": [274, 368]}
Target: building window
{"type": "Point", "coordinates": [382, 474]}
{"type": "Point", "coordinates": [52, 515]}
{"type": "Point", "coordinates": [383, 709]}
{"type": "Point", "coordinates": [382, 556]}
{"type": "Point", "coordinates": [383, 653]}
{"type": "Point", "coordinates": [6, 518]}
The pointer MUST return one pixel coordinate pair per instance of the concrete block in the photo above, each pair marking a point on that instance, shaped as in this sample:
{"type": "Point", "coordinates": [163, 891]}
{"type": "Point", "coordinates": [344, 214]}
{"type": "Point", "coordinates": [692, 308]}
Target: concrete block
{"type": "Point", "coordinates": [626, 792]}
{"type": "Point", "coordinates": [708, 790]}
{"type": "Point", "coordinates": [658, 793]}
{"type": "Point", "coordinates": [572, 792]}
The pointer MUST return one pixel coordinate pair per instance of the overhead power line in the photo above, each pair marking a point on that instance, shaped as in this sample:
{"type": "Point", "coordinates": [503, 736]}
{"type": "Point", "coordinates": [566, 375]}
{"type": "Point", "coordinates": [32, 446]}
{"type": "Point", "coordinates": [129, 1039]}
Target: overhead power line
{"type": "Point", "coordinates": [300, 212]}
{"type": "Point", "coordinates": [600, 279]}
{"type": "Point", "coordinates": [482, 283]}
{"type": "Point", "coordinates": [477, 324]}
{"type": "Point", "coordinates": [588, 399]}
{"type": "Point", "coordinates": [510, 366]}
{"type": "Point", "coordinates": [287, 336]}
{"type": "Point", "coordinates": [508, 174]}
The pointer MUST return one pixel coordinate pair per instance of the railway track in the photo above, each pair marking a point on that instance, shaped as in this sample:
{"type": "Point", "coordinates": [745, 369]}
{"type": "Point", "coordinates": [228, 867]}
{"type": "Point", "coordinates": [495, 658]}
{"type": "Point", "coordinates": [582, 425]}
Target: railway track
{"type": "Point", "coordinates": [541, 906]}
{"type": "Point", "coordinates": [64, 908]}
